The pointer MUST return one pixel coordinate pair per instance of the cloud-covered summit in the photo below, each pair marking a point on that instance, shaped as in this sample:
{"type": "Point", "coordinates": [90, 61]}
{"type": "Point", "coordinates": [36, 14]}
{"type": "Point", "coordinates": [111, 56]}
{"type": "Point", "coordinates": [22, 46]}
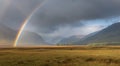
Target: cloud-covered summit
{"type": "Point", "coordinates": [58, 17]}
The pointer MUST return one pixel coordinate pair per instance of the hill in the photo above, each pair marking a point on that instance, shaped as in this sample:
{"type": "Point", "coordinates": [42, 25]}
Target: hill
{"type": "Point", "coordinates": [7, 35]}
{"type": "Point", "coordinates": [71, 39]}
{"type": "Point", "coordinates": [31, 38]}
{"type": "Point", "coordinates": [109, 35]}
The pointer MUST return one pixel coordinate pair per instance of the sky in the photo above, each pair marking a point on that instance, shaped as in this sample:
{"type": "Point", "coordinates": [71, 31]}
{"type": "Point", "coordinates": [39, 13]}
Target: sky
{"type": "Point", "coordinates": [58, 19]}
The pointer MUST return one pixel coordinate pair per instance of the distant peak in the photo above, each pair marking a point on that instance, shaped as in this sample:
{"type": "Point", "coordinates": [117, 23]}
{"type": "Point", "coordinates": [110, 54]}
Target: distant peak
{"type": "Point", "coordinates": [116, 23]}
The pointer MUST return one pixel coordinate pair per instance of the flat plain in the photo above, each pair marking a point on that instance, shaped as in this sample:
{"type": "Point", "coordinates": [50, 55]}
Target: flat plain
{"type": "Point", "coordinates": [60, 56]}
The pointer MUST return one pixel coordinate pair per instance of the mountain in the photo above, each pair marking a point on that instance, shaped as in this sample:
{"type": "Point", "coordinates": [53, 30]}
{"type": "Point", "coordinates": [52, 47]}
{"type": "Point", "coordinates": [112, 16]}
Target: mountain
{"type": "Point", "coordinates": [71, 39]}
{"type": "Point", "coordinates": [109, 35]}
{"type": "Point", "coordinates": [31, 38]}
{"type": "Point", "coordinates": [7, 35]}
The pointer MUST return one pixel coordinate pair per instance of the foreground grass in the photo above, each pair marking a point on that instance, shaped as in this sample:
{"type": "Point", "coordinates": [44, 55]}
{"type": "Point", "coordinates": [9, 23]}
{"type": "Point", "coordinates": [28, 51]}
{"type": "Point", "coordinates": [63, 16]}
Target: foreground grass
{"type": "Point", "coordinates": [59, 56]}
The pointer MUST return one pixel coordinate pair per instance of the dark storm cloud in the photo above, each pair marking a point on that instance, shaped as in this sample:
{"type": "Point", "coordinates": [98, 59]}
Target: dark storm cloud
{"type": "Point", "coordinates": [12, 17]}
{"type": "Point", "coordinates": [16, 11]}
{"type": "Point", "coordinates": [56, 13]}
{"type": "Point", "coordinates": [26, 6]}
{"type": "Point", "coordinates": [58, 18]}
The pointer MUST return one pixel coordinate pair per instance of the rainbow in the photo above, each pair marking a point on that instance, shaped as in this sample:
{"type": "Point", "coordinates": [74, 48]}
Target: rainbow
{"type": "Point", "coordinates": [25, 23]}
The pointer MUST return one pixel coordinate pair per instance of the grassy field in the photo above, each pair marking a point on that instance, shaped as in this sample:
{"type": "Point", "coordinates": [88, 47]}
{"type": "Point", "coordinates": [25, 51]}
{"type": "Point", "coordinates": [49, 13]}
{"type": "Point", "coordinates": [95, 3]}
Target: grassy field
{"type": "Point", "coordinates": [60, 56]}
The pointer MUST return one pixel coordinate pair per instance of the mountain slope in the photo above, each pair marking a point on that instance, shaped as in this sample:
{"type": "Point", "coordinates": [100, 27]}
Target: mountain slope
{"type": "Point", "coordinates": [111, 34]}
{"type": "Point", "coordinates": [71, 39]}
{"type": "Point", "coordinates": [31, 38]}
{"type": "Point", "coordinates": [7, 35]}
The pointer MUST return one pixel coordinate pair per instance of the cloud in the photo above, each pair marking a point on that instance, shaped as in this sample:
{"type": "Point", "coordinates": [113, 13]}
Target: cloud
{"type": "Point", "coordinates": [68, 31]}
{"type": "Point", "coordinates": [57, 17]}
{"type": "Point", "coordinates": [3, 6]}
{"type": "Point", "coordinates": [26, 6]}
{"type": "Point", "coordinates": [56, 13]}
{"type": "Point", "coordinates": [14, 12]}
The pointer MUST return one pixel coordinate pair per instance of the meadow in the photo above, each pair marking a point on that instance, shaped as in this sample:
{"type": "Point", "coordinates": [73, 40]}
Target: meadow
{"type": "Point", "coordinates": [60, 56]}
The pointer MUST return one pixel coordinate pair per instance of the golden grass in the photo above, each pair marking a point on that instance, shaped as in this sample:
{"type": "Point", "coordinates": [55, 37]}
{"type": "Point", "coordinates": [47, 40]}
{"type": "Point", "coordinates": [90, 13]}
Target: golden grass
{"type": "Point", "coordinates": [60, 56]}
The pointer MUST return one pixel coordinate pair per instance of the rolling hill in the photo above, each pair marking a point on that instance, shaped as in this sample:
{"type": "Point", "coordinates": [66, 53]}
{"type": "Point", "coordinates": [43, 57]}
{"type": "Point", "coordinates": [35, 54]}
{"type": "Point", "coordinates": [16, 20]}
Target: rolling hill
{"type": "Point", "coordinates": [7, 35]}
{"type": "Point", "coordinates": [31, 38]}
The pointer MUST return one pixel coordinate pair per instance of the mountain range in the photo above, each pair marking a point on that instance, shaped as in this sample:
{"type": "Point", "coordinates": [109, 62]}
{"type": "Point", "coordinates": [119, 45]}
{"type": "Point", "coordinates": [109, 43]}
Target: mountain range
{"type": "Point", "coordinates": [8, 35]}
{"type": "Point", "coordinates": [70, 40]}
{"type": "Point", "coordinates": [31, 38]}
{"type": "Point", "coordinates": [109, 35]}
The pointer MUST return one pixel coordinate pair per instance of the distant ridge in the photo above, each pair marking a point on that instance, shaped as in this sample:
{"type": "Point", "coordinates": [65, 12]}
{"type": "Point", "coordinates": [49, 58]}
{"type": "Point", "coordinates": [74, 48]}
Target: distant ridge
{"type": "Point", "coordinates": [109, 35]}
{"type": "Point", "coordinates": [71, 39]}
{"type": "Point", "coordinates": [31, 38]}
{"type": "Point", "coordinates": [7, 35]}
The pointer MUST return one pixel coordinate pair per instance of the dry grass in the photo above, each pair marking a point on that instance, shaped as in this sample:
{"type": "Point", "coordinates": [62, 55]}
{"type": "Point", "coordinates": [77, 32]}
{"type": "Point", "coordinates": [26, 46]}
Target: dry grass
{"type": "Point", "coordinates": [60, 56]}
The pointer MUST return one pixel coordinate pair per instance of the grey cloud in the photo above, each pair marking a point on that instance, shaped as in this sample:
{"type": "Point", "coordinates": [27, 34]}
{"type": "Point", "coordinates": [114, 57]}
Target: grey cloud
{"type": "Point", "coordinates": [55, 13]}
{"type": "Point", "coordinates": [58, 13]}
{"type": "Point", "coordinates": [26, 6]}
{"type": "Point", "coordinates": [12, 17]}
{"type": "Point", "coordinates": [16, 12]}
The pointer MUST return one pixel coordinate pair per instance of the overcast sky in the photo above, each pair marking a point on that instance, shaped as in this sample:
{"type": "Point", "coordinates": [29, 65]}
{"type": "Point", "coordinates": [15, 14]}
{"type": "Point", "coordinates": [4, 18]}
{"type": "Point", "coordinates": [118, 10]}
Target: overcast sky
{"type": "Point", "coordinates": [57, 19]}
